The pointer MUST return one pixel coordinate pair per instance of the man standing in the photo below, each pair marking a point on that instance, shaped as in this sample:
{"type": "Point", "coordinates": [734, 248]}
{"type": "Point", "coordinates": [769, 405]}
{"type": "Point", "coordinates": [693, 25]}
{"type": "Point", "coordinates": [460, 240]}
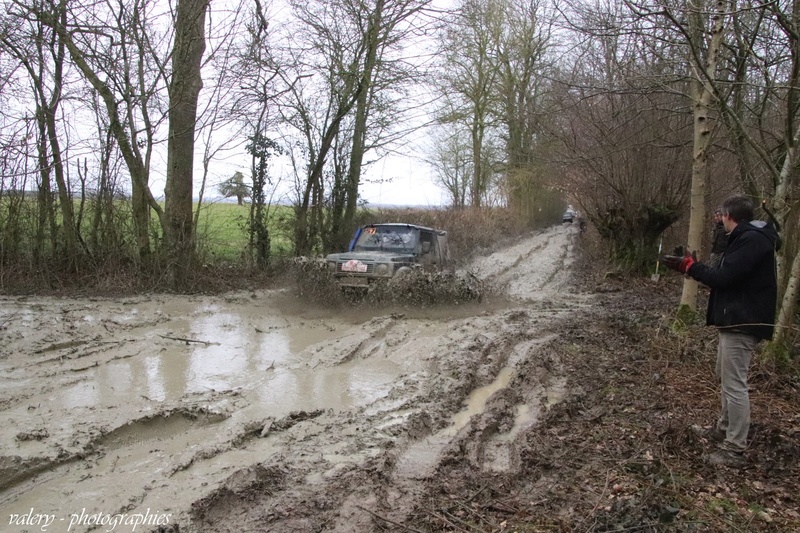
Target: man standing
{"type": "Point", "coordinates": [742, 307]}
{"type": "Point", "coordinates": [719, 239]}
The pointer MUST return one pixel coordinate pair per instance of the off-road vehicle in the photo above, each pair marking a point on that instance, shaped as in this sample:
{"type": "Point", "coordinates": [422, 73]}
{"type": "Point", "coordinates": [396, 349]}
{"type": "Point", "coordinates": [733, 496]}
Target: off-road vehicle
{"type": "Point", "coordinates": [383, 252]}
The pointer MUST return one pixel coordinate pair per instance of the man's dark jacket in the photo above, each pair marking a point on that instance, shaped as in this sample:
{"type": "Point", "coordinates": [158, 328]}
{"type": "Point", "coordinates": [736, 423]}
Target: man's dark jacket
{"type": "Point", "coordinates": [744, 285]}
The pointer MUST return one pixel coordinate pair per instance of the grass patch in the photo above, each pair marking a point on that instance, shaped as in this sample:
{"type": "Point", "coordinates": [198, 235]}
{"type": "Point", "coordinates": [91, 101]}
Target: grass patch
{"type": "Point", "coordinates": [222, 231]}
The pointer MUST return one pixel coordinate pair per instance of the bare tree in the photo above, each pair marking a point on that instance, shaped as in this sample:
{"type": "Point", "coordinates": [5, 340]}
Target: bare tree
{"type": "Point", "coordinates": [702, 25]}
{"type": "Point", "coordinates": [14, 171]}
{"type": "Point", "coordinates": [118, 63]}
{"type": "Point", "coordinates": [107, 215]}
{"type": "Point", "coordinates": [747, 69]}
{"type": "Point", "coordinates": [343, 54]}
{"type": "Point", "coordinates": [391, 23]}
{"type": "Point", "coordinates": [626, 131]}
{"type": "Point", "coordinates": [758, 98]}
{"type": "Point", "coordinates": [122, 57]}
{"type": "Point", "coordinates": [258, 86]}
{"type": "Point", "coordinates": [522, 41]}
{"type": "Point", "coordinates": [452, 163]}
{"type": "Point", "coordinates": [42, 54]}
{"type": "Point", "coordinates": [219, 127]}
{"type": "Point", "coordinates": [468, 81]}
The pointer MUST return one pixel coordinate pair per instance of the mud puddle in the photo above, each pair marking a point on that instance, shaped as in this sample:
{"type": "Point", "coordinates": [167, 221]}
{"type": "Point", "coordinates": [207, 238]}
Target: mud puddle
{"type": "Point", "coordinates": [238, 371]}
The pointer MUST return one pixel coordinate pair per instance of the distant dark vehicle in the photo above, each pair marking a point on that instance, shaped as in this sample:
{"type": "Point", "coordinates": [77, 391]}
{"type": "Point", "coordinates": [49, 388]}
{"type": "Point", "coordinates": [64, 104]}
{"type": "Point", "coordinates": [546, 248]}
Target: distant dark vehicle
{"type": "Point", "coordinates": [382, 252]}
{"type": "Point", "coordinates": [568, 216]}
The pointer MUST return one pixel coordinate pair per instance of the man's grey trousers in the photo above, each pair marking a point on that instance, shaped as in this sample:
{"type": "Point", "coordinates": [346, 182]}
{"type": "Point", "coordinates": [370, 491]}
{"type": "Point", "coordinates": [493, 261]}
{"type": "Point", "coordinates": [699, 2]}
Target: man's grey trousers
{"type": "Point", "coordinates": [733, 363]}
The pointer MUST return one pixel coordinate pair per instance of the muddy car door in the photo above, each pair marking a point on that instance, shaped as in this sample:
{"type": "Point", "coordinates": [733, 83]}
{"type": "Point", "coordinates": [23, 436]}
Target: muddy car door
{"type": "Point", "coordinates": [442, 251]}
{"type": "Point", "coordinates": [428, 251]}
{"type": "Point", "coordinates": [433, 252]}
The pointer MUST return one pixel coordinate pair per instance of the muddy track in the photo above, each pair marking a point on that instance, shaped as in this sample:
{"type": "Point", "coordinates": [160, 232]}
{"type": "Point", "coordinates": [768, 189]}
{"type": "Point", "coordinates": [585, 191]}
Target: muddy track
{"type": "Point", "coordinates": [263, 412]}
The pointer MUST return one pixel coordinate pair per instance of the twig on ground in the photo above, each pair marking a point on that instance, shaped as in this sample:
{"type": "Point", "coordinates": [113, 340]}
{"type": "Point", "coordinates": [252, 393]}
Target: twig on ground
{"type": "Point", "coordinates": [379, 517]}
{"type": "Point", "coordinates": [469, 500]}
{"type": "Point", "coordinates": [448, 522]}
{"type": "Point", "coordinates": [599, 499]}
{"type": "Point", "coordinates": [467, 524]}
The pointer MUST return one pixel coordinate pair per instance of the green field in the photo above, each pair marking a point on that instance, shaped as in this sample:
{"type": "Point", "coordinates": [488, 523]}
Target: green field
{"type": "Point", "coordinates": [222, 230]}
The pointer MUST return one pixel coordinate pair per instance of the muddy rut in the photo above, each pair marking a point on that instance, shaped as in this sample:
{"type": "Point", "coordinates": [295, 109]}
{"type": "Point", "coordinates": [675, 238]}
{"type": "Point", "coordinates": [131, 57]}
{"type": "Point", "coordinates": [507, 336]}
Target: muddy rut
{"type": "Point", "coordinates": [260, 411]}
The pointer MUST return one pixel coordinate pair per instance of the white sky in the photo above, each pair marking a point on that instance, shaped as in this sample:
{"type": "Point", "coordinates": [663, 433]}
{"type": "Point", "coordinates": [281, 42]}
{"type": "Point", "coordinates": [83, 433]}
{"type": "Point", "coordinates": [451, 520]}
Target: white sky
{"type": "Point", "coordinates": [405, 181]}
{"type": "Point", "coordinates": [396, 179]}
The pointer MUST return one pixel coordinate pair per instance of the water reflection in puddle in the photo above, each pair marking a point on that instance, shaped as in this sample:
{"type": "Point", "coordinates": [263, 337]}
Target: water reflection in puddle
{"type": "Point", "coordinates": [228, 351]}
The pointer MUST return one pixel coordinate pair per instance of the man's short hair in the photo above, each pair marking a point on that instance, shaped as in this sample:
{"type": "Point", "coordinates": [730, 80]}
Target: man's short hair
{"type": "Point", "coordinates": [739, 207]}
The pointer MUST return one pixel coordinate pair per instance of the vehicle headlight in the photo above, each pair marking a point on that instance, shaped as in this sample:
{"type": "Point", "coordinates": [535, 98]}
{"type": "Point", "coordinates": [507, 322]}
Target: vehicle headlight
{"type": "Point", "coordinates": [382, 269]}
{"type": "Point", "coordinates": [332, 265]}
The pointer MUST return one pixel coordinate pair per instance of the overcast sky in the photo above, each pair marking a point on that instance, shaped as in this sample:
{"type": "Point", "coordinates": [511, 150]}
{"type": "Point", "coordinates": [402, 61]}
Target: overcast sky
{"type": "Point", "coordinates": [403, 181]}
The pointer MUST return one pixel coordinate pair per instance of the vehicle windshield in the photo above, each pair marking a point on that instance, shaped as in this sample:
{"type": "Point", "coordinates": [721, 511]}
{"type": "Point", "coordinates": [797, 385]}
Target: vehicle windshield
{"type": "Point", "coordinates": [386, 238]}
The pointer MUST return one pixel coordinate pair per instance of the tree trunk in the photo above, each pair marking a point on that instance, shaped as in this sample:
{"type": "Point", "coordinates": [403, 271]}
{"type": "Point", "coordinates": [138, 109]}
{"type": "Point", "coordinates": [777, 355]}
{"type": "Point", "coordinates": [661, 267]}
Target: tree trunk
{"type": "Point", "coordinates": [477, 160]}
{"type": "Point", "coordinates": [70, 232]}
{"type": "Point", "coordinates": [354, 171]}
{"type": "Point", "coordinates": [46, 111]}
{"type": "Point", "coordinates": [183, 94]}
{"type": "Point", "coordinates": [702, 140]}
{"type": "Point", "coordinates": [302, 238]}
{"type": "Point", "coordinates": [786, 208]}
{"type": "Point", "coordinates": [788, 261]}
{"type": "Point", "coordinates": [306, 228]}
{"type": "Point", "coordinates": [45, 196]}
{"type": "Point", "coordinates": [787, 306]}
{"type": "Point", "coordinates": [360, 133]}
{"type": "Point", "coordinates": [702, 95]}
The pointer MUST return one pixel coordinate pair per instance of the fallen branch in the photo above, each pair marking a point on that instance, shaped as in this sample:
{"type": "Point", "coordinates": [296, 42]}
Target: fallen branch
{"type": "Point", "coordinates": [189, 341]}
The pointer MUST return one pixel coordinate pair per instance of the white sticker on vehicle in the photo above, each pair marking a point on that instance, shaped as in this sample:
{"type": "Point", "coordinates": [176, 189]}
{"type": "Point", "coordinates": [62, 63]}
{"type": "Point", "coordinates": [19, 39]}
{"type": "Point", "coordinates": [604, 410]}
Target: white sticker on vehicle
{"type": "Point", "coordinates": [354, 265]}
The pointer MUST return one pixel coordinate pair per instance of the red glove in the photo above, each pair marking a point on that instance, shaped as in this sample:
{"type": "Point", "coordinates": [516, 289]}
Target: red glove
{"type": "Point", "coordinates": [680, 263]}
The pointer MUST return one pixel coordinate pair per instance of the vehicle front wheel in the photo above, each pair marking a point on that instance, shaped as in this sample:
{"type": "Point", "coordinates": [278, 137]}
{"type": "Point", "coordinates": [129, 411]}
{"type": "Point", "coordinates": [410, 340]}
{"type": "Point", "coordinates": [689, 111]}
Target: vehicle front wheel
{"type": "Point", "coordinates": [401, 272]}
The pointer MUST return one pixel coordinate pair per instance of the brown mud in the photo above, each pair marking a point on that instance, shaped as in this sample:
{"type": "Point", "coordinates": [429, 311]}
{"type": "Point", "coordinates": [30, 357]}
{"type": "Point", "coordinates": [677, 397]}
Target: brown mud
{"type": "Point", "coordinates": [558, 402]}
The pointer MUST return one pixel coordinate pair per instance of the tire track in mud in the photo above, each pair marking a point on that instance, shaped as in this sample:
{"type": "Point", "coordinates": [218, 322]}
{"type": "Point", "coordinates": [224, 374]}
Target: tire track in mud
{"type": "Point", "coordinates": [146, 431]}
{"type": "Point", "coordinates": [534, 269]}
{"type": "Point", "coordinates": [359, 345]}
{"type": "Point", "coordinates": [471, 422]}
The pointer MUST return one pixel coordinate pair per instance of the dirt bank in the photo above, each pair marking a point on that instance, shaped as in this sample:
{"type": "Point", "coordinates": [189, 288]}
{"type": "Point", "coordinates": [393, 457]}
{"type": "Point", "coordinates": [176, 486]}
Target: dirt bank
{"type": "Point", "coordinates": [544, 409]}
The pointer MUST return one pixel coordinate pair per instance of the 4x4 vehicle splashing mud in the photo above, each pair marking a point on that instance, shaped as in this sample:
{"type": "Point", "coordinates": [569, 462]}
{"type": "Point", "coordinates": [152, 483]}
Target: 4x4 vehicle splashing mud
{"type": "Point", "coordinates": [385, 251]}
